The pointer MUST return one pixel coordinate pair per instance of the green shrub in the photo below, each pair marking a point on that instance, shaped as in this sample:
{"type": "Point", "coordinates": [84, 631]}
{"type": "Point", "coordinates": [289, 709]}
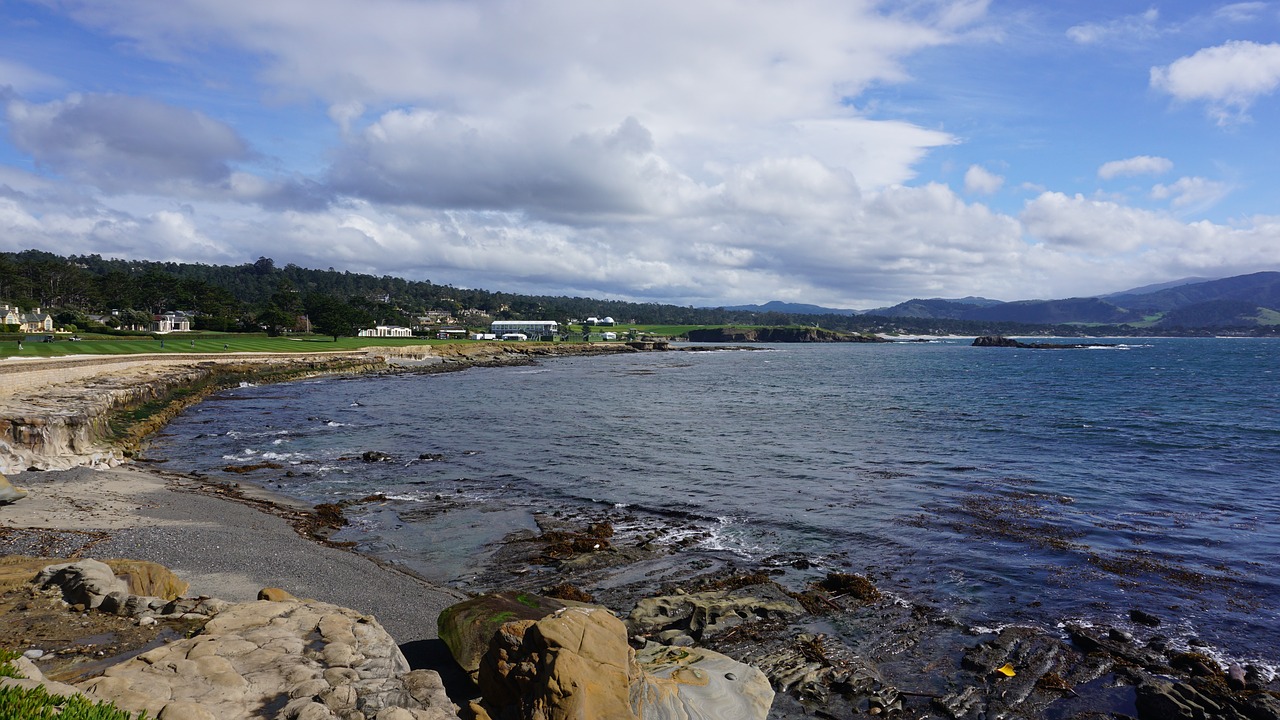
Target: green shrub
{"type": "Point", "coordinates": [6, 664]}
{"type": "Point", "coordinates": [38, 704]}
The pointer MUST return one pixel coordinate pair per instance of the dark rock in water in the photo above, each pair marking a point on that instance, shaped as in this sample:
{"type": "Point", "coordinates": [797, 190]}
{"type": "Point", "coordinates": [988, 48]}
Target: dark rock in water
{"type": "Point", "coordinates": [1001, 341]}
{"type": "Point", "coordinates": [1144, 618]}
{"type": "Point", "coordinates": [434, 457]}
{"type": "Point", "coordinates": [1235, 677]}
{"type": "Point", "coordinates": [372, 456]}
{"type": "Point", "coordinates": [850, 584]}
{"type": "Point", "coordinates": [995, 341]}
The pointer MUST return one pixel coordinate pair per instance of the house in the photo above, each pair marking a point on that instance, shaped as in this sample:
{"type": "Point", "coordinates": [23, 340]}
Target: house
{"type": "Point", "coordinates": [171, 322]}
{"type": "Point", "coordinates": [10, 315]}
{"type": "Point", "coordinates": [525, 327]}
{"type": "Point", "coordinates": [436, 317]}
{"type": "Point", "coordinates": [386, 331]}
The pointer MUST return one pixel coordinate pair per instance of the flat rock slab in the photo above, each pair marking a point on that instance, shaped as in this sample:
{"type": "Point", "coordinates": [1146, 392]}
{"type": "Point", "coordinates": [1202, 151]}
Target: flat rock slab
{"type": "Point", "coordinates": [290, 659]}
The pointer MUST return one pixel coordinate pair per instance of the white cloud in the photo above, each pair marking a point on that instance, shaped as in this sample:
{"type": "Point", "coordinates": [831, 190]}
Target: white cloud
{"type": "Point", "coordinates": [1228, 77]}
{"type": "Point", "coordinates": [1191, 193]}
{"type": "Point", "coordinates": [1128, 27]}
{"type": "Point", "coordinates": [1240, 12]}
{"type": "Point", "coordinates": [1138, 165]}
{"type": "Point", "coordinates": [979, 180]}
{"type": "Point", "coordinates": [1104, 244]}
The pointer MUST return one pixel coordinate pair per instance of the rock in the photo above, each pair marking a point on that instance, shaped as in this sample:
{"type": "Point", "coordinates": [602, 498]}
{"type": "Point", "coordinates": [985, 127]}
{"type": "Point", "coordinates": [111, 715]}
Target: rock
{"type": "Point", "coordinates": [701, 615]}
{"type": "Point", "coordinates": [995, 341]}
{"type": "Point", "coordinates": [573, 665]}
{"type": "Point", "coordinates": [275, 595]}
{"type": "Point", "coordinates": [372, 456]}
{"type": "Point", "coordinates": [577, 664]}
{"type": "Point", "coordinates": [1144, 618]}
{"type": "Point", "coordinates": [467, 627]}
{"type": "Point", "coordinates": [9, 493]}
{"type": "Point", "coordinates": [254, 655]}
{"type": "Point", "coordinates": [149, 579]}
{"type": "Point", "coordinates": [84, 582]}
{"type": "Point", "coordinates": [697, 683]}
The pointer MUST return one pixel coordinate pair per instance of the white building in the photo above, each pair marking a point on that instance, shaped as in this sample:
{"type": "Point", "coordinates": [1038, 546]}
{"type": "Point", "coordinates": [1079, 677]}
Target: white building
{"type": "Point", "coordinates": [524, 327]}
{"type": "Point", "coordinates": [387, 331]}
{"type": "Point", "coordinates": [171, 322]}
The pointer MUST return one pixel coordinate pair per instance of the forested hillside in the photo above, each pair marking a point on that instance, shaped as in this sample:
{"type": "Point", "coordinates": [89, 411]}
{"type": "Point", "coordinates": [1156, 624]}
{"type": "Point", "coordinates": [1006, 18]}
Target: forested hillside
{"type": "Point", "coordinates": [256, 296]}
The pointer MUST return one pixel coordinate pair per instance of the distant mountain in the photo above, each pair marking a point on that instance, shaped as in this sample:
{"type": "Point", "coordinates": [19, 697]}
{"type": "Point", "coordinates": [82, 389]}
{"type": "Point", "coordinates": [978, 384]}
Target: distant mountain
{"type": "Point", "coordinates": [1054, 312]}
{"type": "Point", "coordinates": [1239, 301]}
{"type": "Point", "coordinates": [1262, 289]}
{"type": "Point", "coordinates": [1145, 289]}
{"type": "Point", "coordinates": [934, 308]}
{"type": "Point", "coordinates": [792, 309]}
{"type": "Point", "coordinates": [1215, 313]}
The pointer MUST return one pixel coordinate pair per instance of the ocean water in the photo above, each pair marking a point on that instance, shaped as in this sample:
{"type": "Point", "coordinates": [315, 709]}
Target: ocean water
{"type": "Point", "coordinates": [1000, 485]}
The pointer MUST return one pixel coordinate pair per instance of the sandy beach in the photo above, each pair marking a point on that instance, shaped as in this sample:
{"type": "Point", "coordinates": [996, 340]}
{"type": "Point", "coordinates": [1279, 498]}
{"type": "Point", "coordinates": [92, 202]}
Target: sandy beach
{"type": "Point", "coordinates": [224, 548]}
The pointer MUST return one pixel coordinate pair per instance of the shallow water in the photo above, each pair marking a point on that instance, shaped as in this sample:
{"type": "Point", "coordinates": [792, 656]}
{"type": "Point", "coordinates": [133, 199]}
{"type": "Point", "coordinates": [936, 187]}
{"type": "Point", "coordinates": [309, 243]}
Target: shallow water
{"type": "Point", "coordinates": [999, 484]}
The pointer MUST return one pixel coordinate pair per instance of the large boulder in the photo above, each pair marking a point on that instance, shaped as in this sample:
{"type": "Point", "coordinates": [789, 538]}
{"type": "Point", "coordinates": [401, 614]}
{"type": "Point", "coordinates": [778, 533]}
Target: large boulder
{"type": "Point", "coordinates": [573, 665]}
{"type": "Point", "coordinates": [577, 664]}
{"type": "Point", "coordinates": [305, 659]}
{"type": "Point", "coordinates": [84, 582]}
{"type": "Point", "coordinates": [467, 627]}
{"type": "Point", "coordinates": [9, 493]}
{"type": "Point", "coordinates": [696, 683]}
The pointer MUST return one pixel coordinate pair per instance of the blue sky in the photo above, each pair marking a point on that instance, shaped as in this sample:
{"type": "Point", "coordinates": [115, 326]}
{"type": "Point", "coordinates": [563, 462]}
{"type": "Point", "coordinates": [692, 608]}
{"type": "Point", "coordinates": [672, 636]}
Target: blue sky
{"type": "Point", "coordinates": [839, 152]}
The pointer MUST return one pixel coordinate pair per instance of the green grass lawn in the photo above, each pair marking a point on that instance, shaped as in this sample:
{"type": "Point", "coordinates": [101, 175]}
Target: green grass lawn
{"type": "Point", "coordinates": [204, 344]}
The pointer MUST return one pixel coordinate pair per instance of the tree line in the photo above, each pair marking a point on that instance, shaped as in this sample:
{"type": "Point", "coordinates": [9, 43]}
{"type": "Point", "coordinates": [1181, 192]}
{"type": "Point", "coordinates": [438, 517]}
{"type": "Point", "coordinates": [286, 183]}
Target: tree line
{"type": "Point", "coordinates": [259, 295]}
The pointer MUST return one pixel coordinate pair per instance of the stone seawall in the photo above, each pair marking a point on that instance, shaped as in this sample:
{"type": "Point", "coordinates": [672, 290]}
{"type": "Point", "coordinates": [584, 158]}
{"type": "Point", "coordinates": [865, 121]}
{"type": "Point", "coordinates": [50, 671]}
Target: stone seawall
{"type": "Point", "coordinates": [94, 410]}
{"type": "Point", "coordinates": [19, 377]}
{"type": "Point", "coordinates": [61, 414]}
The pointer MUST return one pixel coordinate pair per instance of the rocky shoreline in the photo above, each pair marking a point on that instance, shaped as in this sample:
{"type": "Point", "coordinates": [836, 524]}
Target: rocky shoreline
{"type": "Point", "coordinates": [62, 413]}
{"type": "Point", "coordinates": [835, 648]}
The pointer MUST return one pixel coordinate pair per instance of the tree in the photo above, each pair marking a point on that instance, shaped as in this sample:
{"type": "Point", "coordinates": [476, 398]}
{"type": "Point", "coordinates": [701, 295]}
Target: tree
{"type": "Point", "coordinates": [274, 319]}
{"type": "Point", "coordinates": [330, 316]}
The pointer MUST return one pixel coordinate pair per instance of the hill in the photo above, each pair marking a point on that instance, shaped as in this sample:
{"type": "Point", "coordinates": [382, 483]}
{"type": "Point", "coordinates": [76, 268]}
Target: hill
{"type": "Point", "coordinates": [777, 306]}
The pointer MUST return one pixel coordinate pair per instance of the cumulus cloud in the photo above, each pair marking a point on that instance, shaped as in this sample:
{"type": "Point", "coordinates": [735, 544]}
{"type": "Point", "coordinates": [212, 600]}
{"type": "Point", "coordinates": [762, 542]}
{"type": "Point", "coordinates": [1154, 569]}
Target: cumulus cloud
{"type": "Point", "coordinates": [1128, 27]}
{"type": "Point", "coordinates": [1137, 165]}
{"type": "Point", "coordinates": [979, 180]}
{"type": "Point", "coordinates": [122, 143]}
{"type": "Point", "coordinates": [1191, 193]}
{"type": "Point", "coordinates": [1228, 77]}
{"type": "Point", "coordinates": [1105, 241]}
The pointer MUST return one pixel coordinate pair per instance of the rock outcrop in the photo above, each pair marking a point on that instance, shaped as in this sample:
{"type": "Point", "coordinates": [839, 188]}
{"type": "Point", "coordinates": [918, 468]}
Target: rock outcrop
{"type": "Point", "coordinates": [1001, 341]}
{"type": "Point", "coordinates": [467, 627]}
{"type": "Point", "coordinates": [62, 415]}
{"type": "Point", "coordinates": [684, 619]}
{"type": "Point", "coordinates": [578, 664]}
{"type": "Point", "coordinates": [290, 659]}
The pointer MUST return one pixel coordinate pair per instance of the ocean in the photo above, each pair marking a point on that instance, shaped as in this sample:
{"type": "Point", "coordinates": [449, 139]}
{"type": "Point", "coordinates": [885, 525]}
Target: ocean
{"type": "Point", "coordinates": [998, 485]}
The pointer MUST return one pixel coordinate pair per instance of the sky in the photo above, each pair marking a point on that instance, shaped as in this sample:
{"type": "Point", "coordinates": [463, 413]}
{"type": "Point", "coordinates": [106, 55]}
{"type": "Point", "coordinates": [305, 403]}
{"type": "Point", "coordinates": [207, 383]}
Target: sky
{"type": "Point", "coordinates": [845, 153]}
